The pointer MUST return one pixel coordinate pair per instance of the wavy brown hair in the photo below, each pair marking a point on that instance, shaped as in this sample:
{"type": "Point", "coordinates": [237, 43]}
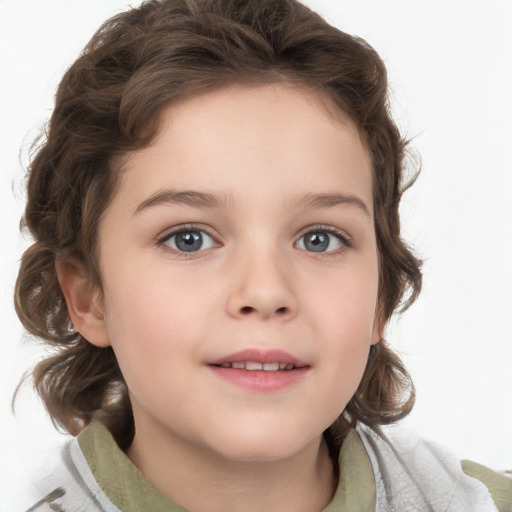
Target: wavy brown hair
{"type": "Point", "coordinates": [108, 104]}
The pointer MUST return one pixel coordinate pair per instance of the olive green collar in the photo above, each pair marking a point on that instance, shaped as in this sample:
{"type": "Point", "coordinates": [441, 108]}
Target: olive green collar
{"type": "Point", "coordinates": [129, 490]}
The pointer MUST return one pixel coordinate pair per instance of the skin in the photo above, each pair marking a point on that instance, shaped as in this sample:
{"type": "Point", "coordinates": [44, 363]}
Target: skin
{"type": "Point", "coordinates": [262, 153]}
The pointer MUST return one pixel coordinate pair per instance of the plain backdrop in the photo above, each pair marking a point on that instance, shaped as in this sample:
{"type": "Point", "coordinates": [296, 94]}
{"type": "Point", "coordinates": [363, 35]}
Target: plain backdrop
{"type": "Point", "coordinates": [450, 70]}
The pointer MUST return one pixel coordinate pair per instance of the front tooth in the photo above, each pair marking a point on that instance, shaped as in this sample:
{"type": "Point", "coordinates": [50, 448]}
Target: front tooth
{"type": "Point", "coordinates": [250, 365]}
{"type": "Point", "coordinates": [240, 365]}
{"type": "Point", "coordinates": [271, 366]}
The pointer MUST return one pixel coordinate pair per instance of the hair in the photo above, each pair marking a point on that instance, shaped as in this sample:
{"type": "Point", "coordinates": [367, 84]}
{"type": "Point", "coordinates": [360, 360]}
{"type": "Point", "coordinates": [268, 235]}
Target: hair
{"type": "Point", "coordinates": [108, 104]}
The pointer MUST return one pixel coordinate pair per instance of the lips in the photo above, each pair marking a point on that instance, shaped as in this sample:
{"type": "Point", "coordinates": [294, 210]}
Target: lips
{"type": "Point", "coordinates": [266, 360]}
{"type": "Point", "coordinates": [253, 365]}
{"type": "Point", "coordinates": [260, 370]}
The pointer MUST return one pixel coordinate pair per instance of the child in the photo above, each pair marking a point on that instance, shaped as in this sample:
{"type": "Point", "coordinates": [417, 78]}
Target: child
{"type": "Point", "coordinates": [217, 253]}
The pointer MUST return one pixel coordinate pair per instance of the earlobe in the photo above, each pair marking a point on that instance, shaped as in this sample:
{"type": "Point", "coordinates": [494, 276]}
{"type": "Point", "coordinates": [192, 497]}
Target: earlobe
{"type": "Point", "coordinates": [84, 303]}
{"type": "Point", "coordinates": [376, 334]}
{"type": "Point", "coordinates": [378, 328]}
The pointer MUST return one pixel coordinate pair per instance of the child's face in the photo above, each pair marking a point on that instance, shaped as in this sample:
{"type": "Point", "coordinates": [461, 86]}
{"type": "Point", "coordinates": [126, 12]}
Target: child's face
{"type": "Point", "coordinates": [246, 226]}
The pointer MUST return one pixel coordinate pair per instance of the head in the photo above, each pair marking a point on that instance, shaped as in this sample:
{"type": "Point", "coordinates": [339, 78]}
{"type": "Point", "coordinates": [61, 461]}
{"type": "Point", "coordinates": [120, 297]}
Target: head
{"type": "Point", "coordinates": [112, 103]}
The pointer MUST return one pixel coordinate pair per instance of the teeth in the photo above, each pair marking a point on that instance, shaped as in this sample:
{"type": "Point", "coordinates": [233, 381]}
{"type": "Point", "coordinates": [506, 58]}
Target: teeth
{"type": "Point", "coordinates": [252, 365]}
{"type": "Point", "coordinates": [249, 365]}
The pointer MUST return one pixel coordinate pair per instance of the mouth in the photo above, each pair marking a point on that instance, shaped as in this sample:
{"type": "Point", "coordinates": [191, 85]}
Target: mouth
{"type": "Point", "coordinates": [260, 370]}
{"type": "Point", "coordinates": [255, 366]}
{"type": "Point", "coordinates": [260, 360]}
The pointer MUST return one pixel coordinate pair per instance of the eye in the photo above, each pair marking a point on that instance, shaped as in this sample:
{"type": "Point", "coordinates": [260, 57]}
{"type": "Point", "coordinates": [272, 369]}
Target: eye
{"type": "Point", "coordinates": [322, 240]}
{"type": "Point", "coordinates": [188, 240]}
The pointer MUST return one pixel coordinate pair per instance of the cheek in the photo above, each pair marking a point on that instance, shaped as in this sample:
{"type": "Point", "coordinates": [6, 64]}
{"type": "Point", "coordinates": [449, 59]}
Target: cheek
{"type": "Point", "coordinates": [147, 336]}
{"type": "Point", "coordinates": [344, 319]}
{"type": "Point", "coordinates": [156, 300]}
{"type": "Point", "coordinates": [143, 321]}
{"type": "Point", "coordinates": [347, 302]}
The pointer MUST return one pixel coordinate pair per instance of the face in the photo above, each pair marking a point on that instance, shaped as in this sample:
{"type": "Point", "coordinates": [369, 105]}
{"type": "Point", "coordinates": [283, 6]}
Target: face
{"type": "Point", "coordinates": [240, 272]}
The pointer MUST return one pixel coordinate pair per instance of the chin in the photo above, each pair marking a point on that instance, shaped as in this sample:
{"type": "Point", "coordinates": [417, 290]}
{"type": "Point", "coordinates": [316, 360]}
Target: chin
{"type": "Point", "coordinates": [264, 446]}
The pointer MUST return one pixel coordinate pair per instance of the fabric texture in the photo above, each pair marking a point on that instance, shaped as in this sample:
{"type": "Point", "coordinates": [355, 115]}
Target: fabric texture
{"type": "Point", "coordinates": [420, 476]}
{"type": "Point", "coordinates": [394, 473]}
{"type": "Point", "coordinates": [499, 484]}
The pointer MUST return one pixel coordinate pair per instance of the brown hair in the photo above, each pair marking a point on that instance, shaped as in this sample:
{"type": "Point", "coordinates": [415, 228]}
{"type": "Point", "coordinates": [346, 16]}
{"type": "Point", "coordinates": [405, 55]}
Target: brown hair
{"type": "Point", "coordinates": [108, 103]}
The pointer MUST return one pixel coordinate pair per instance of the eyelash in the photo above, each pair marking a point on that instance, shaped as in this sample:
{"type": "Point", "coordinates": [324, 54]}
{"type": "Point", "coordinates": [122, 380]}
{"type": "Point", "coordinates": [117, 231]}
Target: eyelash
{"type": "Point", "coordinates": [184, 228]}
{"type": "Point", "coordinates": [341, 235]}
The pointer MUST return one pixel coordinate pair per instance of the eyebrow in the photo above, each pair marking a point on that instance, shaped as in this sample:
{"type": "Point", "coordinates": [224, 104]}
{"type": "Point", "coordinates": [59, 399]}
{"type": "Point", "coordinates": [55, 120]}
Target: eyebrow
{"type": "Point", "coordinates": [206, 200]}
{"type": "Point", "coordinates": [330, 200]}
{"type": "Point", "coordinates": [186, 197]}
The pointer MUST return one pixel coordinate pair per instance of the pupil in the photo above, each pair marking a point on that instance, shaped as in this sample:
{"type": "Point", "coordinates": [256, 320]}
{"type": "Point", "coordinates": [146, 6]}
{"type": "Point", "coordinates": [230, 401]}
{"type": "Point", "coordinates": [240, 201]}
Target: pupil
{"type": "Point", "coordinates": [317, 242]}
{"type": "Point", "coordinates": [189, 241]}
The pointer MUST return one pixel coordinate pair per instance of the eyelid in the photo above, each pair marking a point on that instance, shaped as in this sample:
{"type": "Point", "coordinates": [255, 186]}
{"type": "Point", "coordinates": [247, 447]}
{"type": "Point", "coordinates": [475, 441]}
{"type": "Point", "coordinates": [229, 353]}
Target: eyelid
{"type": "Point", "coordinates": [332, 230]}
{"type": "Point", "coordinates": [168, 233]}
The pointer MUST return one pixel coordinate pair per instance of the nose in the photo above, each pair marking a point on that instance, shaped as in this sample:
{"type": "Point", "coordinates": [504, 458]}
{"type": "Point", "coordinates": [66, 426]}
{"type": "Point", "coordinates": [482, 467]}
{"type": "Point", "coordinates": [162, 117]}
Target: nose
{"type": "Point", "coordinates": [262, 286]}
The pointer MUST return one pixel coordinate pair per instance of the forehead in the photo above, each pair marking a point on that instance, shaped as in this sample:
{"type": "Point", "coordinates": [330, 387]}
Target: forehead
{"type": "Point", "coordinates": [253, 138]}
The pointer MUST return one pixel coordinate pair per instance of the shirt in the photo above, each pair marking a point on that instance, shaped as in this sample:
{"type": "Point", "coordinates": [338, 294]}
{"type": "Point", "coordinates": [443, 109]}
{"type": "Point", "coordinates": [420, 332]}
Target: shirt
{"type": "Point", "coordinates": [397, 472]}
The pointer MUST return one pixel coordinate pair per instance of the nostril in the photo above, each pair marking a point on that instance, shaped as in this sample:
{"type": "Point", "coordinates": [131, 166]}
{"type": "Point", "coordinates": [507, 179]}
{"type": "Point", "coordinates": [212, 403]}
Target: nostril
{"type": "Point", "coordinates": [248, 310]}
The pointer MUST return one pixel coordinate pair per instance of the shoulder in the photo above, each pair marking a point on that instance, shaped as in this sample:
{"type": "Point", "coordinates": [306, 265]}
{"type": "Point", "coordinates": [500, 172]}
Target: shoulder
{"type": "Point", "coordinates": [498, 483]}
{"type": "Point", "coordinates": [68, 486]}
{"type": "Point", "coordinates": [96, 475]}
{"type": "Point", "coordinates": [409, 470]}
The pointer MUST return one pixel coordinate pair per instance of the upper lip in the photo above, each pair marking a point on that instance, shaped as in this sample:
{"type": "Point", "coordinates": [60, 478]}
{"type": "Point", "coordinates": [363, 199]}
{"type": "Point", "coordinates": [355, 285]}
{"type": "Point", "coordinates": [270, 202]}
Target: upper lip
{"type": "Point", "coordinates": [260, 356]}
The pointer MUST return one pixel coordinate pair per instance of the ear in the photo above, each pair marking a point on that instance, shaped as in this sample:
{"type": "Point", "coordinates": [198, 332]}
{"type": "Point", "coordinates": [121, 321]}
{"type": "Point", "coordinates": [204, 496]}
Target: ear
{"type": "Point", "coordinates": [376, 334]}
{"type": "Point", "coordinates": [84, 302]}
{"type": "Point", "coordinates": [378, 327]}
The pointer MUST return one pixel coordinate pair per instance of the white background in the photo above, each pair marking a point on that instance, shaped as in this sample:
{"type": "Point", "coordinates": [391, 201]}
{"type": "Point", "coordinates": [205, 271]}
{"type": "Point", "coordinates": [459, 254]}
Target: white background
{"type": "Point", "coordinates": [450, 67]}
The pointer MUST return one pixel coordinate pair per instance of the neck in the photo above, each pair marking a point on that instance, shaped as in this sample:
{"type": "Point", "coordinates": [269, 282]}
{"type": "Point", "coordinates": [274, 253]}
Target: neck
{"type": "Point", "coordinates": [204, 481]}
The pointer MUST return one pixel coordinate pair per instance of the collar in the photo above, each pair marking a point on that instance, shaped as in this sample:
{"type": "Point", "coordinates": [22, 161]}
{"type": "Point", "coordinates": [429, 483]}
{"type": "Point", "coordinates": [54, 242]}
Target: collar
{"type": "Point", "coordinates": [129, 490]}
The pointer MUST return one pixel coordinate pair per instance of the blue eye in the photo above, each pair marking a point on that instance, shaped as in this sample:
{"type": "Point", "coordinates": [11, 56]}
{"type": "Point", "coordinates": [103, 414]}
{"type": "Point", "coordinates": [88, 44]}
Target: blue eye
{"type": "Point", "coordinates": [321, 240]}
{"type": "Point", "coordinates": [189, 240]}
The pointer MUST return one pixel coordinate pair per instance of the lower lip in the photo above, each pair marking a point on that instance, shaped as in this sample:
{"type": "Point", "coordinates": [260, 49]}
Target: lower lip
{"type": "Point", "coordinates": [260, 380]}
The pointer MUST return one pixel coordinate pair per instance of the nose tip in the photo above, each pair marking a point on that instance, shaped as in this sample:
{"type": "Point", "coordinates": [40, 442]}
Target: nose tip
{"type": "Point", "coordinates": [262, 288]}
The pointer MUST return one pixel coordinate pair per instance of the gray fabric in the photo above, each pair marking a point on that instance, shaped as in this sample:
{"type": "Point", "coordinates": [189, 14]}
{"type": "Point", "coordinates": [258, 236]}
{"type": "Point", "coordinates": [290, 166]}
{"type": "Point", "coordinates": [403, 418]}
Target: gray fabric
{"type": "Point", "coordinates": [72, 488]}
{"type": "Point", "coordinates": [420, 476]}
{"type": "Point", "coordinates": [409, 475]}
